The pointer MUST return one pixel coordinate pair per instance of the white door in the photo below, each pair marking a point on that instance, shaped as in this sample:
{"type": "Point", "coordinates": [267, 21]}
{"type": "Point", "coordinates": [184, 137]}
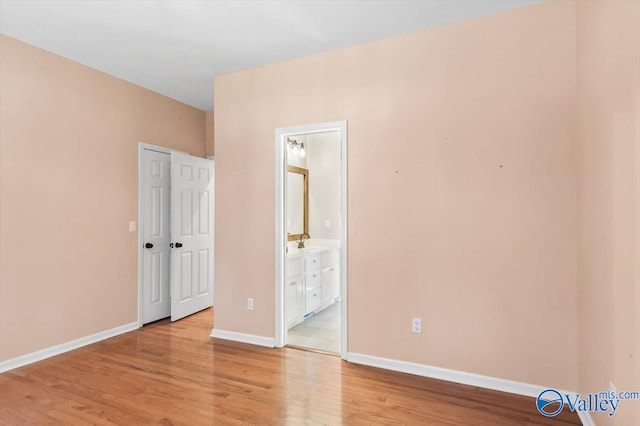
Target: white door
{"type": "Point", "coordinates": [155, 235]}
{"type": "Point", "coordinates": [191, 235]}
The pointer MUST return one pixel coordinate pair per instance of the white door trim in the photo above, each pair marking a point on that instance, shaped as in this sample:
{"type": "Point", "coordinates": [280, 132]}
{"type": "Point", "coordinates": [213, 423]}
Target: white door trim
{"type": "Point", "coordinates": [141, 147]}
{"type": "Point", "coordinates": [281, 161]}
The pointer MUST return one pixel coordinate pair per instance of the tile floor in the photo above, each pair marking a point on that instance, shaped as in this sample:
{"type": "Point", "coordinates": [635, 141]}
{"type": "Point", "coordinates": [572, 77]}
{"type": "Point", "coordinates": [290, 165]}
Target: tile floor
{"type": "Point", "coordinates": [320, 332]}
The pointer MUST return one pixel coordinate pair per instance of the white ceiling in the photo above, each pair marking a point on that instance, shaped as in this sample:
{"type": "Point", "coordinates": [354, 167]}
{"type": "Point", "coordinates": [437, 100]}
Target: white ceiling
{"type": "Point", "coordinates": [175, 47]}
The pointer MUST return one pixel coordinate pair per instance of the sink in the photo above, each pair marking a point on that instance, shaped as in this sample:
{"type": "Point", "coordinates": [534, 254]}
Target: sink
{"type": "Point", "coordinates": [306, 250]}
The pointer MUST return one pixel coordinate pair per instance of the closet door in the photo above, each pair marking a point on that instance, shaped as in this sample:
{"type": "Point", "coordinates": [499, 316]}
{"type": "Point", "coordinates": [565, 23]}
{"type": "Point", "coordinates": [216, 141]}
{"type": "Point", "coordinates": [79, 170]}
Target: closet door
{"type": "Point", "coordinates": [156, 235]}
{"type": "Point", "coordinates": [191, 234]}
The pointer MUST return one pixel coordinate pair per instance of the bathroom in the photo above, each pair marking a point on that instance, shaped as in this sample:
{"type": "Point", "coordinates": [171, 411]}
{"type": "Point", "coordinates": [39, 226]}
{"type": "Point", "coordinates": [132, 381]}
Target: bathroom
{"type": "Point", "coordinates": [313, 210]}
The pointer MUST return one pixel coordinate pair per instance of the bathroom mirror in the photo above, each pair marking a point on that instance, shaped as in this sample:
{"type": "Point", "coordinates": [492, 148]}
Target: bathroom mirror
{"type": "Point", "coordinates": [297, 202]}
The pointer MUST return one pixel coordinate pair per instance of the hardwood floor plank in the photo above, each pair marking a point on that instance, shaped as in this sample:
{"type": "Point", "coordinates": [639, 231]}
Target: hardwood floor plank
{"type": "Point", "coordinates": [175, 374]}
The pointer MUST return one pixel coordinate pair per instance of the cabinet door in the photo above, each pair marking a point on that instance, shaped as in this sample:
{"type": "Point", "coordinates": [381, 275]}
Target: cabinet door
{"type": "Point", "coordinates": [327, 285]}
{"type": "Point", "coordinates": [297, 306]}
{"type": "Point", "coordinates": [330, 283]}
{"type": "Point", "coordinates": [294, 300]}
{"type": "Point", "coordinates": [288, 298]}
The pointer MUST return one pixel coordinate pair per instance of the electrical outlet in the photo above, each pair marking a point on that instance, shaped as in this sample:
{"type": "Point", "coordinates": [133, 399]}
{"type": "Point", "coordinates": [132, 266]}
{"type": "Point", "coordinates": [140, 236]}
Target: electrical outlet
{"type": "Point", "coordinates": [250, 304]}
{"type": "Point", "coordinates": [612, 387]}
{"type": "Point", "coordinates": [132, 226]}
{"type": "Point", "coordinates": [416, 325]}
{"type": "Point", "coordinates": [327, 223]}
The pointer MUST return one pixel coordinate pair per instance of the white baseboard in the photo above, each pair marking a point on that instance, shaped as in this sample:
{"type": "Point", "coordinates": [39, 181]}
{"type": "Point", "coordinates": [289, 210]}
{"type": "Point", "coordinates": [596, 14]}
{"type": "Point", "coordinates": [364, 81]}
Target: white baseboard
{"type": "Point", "coordinates": [440, 373]}
{"type": "Point", "coordinates": [487, 382]}
{"type": "Point", "coordinates": [252, 339]}
{"type": "Point", "coordinates": [32, 357]}
{"type": "Point", "coordinates": [586, 418]}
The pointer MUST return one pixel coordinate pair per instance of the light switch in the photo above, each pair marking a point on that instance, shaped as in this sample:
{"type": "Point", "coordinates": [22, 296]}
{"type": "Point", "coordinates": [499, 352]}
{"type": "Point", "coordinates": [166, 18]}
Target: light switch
{"type": "Point", "coordinates": [132, 226]}
{"type": "Point", "coordinates": [327, 223]}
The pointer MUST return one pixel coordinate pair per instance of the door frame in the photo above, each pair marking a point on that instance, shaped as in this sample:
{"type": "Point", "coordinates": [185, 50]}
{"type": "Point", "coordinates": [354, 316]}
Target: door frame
{"type": "Point", "coordinates": [141, 147]}
{"type": "Point", "coordinates": [281, 241]}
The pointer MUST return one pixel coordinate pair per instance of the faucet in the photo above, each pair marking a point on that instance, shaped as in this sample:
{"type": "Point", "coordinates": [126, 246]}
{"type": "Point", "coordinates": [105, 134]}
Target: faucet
{"type": "Point", "coordinates": [301, 242]}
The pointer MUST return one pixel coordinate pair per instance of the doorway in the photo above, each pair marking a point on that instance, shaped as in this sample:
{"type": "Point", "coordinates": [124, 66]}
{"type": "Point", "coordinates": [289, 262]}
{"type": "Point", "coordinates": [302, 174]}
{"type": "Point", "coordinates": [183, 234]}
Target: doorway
{"type": "Point", "coordinates": [311, 265]}
{"type": "Point", "coordinates": [175, 234]}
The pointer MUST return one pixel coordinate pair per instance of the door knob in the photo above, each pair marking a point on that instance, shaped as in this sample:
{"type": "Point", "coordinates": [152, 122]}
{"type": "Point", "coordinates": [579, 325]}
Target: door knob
{"type": "Point", "coordinates": [148, 245]}
{"type": "Point", "coordinates": [178, 245]}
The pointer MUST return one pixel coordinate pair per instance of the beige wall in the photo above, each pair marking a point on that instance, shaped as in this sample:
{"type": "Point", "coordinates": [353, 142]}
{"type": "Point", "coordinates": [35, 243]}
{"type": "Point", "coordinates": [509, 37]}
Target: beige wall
{"type": "Point", "coordinates": [68, 189]}
{"type": "Point", "coordinates": [209, 144]}
{"type": "Point", "coordinates": [609, 200]}
{"type": "Point", "coordinates": [467, 133]}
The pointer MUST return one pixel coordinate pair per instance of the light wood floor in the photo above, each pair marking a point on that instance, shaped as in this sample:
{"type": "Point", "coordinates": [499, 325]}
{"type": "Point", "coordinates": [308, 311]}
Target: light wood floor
{"type": "Point", "coordinates": [172, 374]}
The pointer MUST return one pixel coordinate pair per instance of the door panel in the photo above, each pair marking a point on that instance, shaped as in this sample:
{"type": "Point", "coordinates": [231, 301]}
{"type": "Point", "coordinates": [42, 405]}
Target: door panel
{"type": "Point", "coordinates": [186, 269]}
{"type": "Point", "coordinates": [203, 204]}
{"type": "Point", "coordinates": [156, 277]}
{"type": "Point", "coordinates": [203, 272]}
{"type": "Point", "coordinates": [192, 228]}
{"type": "Point", "coordinates": [186, 205]}
{"type": "Point", "coordinates": [155, 230]}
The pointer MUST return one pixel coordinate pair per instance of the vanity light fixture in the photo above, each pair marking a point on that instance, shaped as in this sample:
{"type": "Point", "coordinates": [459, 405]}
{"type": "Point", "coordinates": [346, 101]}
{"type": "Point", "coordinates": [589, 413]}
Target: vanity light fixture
{"type": "Point", "coordinates": [296, 148]}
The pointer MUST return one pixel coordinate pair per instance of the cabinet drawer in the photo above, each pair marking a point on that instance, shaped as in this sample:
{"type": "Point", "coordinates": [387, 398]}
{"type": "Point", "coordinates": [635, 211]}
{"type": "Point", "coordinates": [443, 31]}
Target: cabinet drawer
{"type": "Point", "coordinates": [313, 262]}
{"type": "Point", "coordinates": [313, 279]}
{"type": "Point", "coordinates": [313, 299]}
{"type": "Point", "coordinates": [330, 257]}
{"type": "Point", "coordinates": [295, 267]}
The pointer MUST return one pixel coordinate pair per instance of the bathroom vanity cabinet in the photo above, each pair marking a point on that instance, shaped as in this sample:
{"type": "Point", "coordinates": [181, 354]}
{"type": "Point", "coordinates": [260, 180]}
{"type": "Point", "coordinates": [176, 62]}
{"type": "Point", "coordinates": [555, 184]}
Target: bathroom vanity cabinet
{"type": "Point", "coordinates": [330, 276]}
{"type": "Point", "coordinates": [313, 282]}
{"type": "Point", "coordinates": [294, 300]}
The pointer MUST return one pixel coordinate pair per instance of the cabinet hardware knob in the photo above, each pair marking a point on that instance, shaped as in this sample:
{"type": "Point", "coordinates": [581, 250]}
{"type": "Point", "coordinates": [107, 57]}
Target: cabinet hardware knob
{"type": "Point", "coordinates": [148, 245]}
{"type": "Point", "coordinates": [292, 283]}
{"type": "Point", "coordinates": [178, 245]}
